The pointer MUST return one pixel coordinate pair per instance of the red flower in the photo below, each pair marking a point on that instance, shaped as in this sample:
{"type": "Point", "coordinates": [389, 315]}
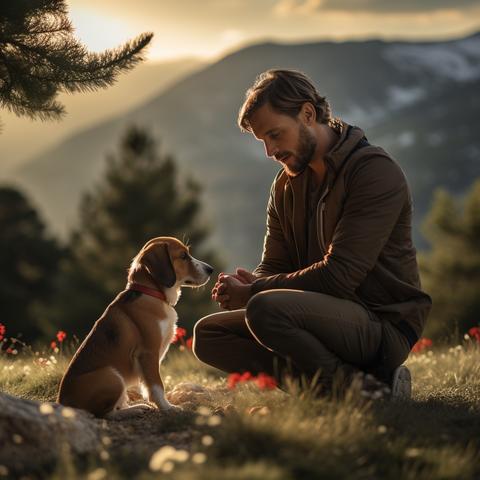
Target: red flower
{"type": "Point", "coordinates": [53, 344]}
{"type": "Point", "coordinates": [421, 344]}
{"type": "Point", "coordinates": [475, 332]}
{"type": "Point", "coordinates": [265, 381]}
{"type": "Point", "coordinates": [2, 329]}
{"type": "Point", "coordinates": [189, 343]}
{"type": "Point", "coordinates": [237, 378]}
{"type": "Point", "coordinates": [61, 336]}
{"type": "Point", "coordinates": [179, 334]}
{"type": "Point", "coordinates": [9, 350]}
{"type": "Point", "coordinates": [1, 337]}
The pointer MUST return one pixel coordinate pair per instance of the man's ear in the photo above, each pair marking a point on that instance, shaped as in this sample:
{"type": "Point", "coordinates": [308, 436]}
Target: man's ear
{"type": "Point", "coordinates": [308, 113]}
{"type": "Point", "coordinates": [156, 260]}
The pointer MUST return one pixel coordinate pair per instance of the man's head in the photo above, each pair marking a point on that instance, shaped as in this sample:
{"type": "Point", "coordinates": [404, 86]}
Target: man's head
{"type": "Point", "coordinates": [286, 91]}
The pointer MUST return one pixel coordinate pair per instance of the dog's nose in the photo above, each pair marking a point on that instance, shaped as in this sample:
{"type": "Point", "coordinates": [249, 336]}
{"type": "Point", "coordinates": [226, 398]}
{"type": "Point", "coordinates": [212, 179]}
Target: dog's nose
{"type": "Point", "coordinates": [208, 269]}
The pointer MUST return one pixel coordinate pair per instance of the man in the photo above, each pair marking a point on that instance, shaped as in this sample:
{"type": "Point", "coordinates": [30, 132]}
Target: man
{"type": "Point", "coordinates": [337, 292]}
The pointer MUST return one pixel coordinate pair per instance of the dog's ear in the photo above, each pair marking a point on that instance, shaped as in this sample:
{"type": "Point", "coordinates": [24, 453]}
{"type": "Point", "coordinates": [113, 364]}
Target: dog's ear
{"type": "Point", "coordinates": [156, 260]}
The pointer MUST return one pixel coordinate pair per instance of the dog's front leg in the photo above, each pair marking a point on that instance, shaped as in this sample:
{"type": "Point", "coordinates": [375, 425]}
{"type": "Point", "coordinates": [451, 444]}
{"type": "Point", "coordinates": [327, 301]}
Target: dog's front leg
{"type": "Point", "coordinates": [150, 365]}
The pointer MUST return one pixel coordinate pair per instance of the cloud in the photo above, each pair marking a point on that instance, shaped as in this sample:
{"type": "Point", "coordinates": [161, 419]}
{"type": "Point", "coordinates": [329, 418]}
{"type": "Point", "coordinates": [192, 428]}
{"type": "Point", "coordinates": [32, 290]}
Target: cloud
{"type": "Point", "coordinates": [285, 7]}
{"type": "Point", "coordinates": [232, 36]}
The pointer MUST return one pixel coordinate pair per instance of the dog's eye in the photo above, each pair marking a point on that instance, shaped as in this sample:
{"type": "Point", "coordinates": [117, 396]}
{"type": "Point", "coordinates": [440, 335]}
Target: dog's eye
{"type": "Point", "coordinates": [183, 255]}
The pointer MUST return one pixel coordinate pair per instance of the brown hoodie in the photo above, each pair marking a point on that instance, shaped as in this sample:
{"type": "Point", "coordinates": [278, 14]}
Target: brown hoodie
{"type": "Point", "coordinates": [364, 231]}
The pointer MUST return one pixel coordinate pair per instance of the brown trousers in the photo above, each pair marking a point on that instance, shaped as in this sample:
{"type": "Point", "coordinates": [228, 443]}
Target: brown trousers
{"type": "Point", "coordinates": [296, 333]}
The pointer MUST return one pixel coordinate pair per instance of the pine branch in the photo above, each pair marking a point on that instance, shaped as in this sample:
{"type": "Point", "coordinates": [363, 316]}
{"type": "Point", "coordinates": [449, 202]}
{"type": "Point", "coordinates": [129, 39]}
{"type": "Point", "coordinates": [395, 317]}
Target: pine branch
{"type": "Point", "coordinates": [40, 57]}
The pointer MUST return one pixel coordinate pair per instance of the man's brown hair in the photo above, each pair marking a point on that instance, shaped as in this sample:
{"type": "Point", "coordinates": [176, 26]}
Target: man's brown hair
{"type": "Point", "coordinates": [286, 90]}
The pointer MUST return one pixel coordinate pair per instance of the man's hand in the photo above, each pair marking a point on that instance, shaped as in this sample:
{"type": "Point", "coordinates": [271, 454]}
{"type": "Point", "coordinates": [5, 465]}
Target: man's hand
{"type": "Point", "coordinates": [232, 291]}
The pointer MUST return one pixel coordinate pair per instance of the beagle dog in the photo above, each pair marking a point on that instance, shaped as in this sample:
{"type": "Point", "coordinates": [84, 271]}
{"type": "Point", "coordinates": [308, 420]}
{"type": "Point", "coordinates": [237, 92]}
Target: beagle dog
{"type": "Point", "coordinates": [127, 344]}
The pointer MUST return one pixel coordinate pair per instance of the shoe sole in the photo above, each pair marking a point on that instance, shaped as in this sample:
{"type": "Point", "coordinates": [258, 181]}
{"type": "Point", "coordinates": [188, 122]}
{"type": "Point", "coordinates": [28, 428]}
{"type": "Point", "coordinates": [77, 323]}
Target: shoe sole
{"type": "Point", "coordinates": [401, 384]}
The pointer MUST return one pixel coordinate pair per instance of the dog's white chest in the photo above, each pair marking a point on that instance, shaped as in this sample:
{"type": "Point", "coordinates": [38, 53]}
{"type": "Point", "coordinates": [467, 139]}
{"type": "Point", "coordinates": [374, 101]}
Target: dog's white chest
{"type": "Point", "coordinates": [167, 323]}
{"type": "Point", "coordinates": [167, 330]}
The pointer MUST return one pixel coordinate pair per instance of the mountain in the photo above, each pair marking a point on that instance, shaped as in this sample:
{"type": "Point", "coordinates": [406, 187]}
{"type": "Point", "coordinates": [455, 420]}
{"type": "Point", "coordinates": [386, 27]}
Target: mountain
{"type": "Point", "coordinates": [417, 100]}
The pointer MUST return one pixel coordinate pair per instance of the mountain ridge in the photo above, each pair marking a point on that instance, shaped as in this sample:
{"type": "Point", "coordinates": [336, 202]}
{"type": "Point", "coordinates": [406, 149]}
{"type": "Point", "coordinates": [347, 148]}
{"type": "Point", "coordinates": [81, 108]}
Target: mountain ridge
{"type": "Point", "coordinates": [375, 84]}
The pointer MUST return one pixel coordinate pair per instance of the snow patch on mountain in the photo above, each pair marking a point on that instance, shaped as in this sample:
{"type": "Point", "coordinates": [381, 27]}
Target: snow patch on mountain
{"type": "Point", "coordinates": [458, 61]}
{"type": "Point", "coordinates": [405, 96]}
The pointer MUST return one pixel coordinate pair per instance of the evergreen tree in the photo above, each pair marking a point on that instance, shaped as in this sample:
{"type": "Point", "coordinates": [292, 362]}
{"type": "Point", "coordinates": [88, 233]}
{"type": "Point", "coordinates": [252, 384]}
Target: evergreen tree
{"type": "Point", "coordinates": [29, 263]}
{"type": "Point", "coordinates": [139, 198]}
{"type": "Point", "coordinates": [451, 271]}
{"type": "Point", "coordinates": [40, 57]}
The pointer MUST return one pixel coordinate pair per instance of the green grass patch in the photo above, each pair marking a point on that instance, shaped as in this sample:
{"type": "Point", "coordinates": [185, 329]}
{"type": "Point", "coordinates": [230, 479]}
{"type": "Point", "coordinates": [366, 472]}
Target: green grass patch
{"type": "Point", "coordinates": [434, 436]}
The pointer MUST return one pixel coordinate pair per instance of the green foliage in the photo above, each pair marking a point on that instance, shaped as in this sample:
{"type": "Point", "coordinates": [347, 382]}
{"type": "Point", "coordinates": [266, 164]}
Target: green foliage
{"type": "Point", "coordinates": [451, 271]}
{"type": "Point", "coordinates": [139, 198]}
{"type": "Point", "coordinates": [40, 57]}
{"type": "Point", "coordinates": [29, 264]}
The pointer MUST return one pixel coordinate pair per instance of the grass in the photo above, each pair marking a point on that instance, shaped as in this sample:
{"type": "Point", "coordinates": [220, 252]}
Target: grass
{"type": "Point", "coordinates": [435, 436]}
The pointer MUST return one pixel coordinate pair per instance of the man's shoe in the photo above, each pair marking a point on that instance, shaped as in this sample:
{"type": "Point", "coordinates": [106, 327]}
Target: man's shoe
{"type": "Point", "coordinates": [401, 384]}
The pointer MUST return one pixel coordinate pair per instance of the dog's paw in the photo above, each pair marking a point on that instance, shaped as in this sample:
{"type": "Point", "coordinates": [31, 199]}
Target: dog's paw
{"type": "Point", "coordinates": [133, 411]}
{"type": "Point", "coordinates": [143, 408]}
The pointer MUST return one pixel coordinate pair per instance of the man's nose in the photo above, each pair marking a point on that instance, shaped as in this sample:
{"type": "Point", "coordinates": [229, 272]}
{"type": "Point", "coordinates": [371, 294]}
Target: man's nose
{"type": "Point", "coordinates": [270, 149]}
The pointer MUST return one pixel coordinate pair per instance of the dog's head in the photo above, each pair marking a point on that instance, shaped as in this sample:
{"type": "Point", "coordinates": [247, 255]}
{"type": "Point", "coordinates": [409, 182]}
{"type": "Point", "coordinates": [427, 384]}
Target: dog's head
{"type": "Point", "coordinates": [167, 262]}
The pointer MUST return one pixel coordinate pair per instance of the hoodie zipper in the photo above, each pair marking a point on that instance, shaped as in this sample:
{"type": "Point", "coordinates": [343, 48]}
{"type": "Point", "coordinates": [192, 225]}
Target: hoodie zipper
{"type": "Point", "coordinates": [293, 227]}
{"type": "Point", "coordinates": [320, 210]}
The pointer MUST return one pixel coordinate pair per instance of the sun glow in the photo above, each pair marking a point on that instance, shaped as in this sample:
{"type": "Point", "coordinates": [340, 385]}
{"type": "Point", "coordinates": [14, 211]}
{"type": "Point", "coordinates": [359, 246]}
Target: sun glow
{"type": "Point", "coordinates": [99, 32]}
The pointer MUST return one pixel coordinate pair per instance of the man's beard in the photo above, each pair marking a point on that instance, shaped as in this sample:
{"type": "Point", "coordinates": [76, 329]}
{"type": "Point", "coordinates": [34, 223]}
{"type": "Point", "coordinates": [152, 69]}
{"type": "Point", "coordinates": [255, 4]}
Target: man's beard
{"type": "Point", "coordinates": [307, 143]}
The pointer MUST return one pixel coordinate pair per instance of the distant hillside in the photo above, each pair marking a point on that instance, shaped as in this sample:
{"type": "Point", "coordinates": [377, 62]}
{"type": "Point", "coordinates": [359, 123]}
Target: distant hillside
{"type": "Point", "coordinates": [418, 100]}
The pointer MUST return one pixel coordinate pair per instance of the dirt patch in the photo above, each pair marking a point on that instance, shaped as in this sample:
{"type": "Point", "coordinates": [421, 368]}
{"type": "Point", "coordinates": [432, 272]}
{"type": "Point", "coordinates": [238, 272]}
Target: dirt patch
{"type": "Point", "coordinates": [143, 436]}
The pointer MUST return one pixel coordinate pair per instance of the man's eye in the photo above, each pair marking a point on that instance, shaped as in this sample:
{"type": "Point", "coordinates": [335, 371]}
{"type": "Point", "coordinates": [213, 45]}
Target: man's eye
{"type": "Point", "coordinates": [274, 135]}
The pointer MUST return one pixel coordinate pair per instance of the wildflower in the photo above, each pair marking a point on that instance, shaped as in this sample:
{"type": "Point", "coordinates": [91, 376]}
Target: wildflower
{"type": "Point", "coordinates": [42, 361]}
{"type": "Point", "coordinates": [237, 378]}
{"type": "Point", "coordinates": [189, 343]}
{"type": "Point", "coordinates": [9, 350]}
{"type": "Point", "coordinates": [475, 332]}
{"type": "Point", "coordinates": [53, 344]}
{"type": "Point", "coordinates": [61, 336]}
{"type": "Point", "coordinates": [265, 381]}
{"type": "Point", "coordinates": [2, 329]}
{"type": "Point", "coordinates": [179, 334]}
{"type": "Point", "coordinates": [421, 344]}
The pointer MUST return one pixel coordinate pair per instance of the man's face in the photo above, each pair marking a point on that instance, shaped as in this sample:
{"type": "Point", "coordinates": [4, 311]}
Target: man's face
{"type": "Point", "coordinates": [286, 139]}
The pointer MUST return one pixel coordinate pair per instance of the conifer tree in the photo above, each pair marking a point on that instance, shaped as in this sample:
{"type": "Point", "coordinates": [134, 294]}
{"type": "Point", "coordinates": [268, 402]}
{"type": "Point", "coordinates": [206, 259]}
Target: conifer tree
{"type": "Point", "coordinates": [29, 263]}
{"type": "Point", "coordinates": [40, 57]}
{"type": "Point", "coordinates": [450, 273]}
{"type": "Point", "coordinates": [141, 196]}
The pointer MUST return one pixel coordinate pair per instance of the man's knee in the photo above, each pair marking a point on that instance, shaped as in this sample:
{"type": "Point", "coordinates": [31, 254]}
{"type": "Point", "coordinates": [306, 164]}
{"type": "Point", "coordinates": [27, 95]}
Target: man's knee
{"type": "Point", "coordinates": [200, 334]}
{"type": "Point", "coordinates": [264, 314]}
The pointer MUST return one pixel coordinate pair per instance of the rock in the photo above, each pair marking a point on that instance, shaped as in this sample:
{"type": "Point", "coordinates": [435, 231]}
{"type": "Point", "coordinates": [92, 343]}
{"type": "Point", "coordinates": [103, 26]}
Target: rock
{"type": "Point", "coordinates": [33, 434]}
{"type": "Point", "coordinates": [187, 392]}
{"type": "Point", "coordinates": [259, 410]}
{"type": "Point", "coordinates": [221, 409]}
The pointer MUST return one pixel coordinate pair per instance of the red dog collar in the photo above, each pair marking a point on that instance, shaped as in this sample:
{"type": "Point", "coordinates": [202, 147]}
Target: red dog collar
{"type": "Point", "coordinates": [146, 290]}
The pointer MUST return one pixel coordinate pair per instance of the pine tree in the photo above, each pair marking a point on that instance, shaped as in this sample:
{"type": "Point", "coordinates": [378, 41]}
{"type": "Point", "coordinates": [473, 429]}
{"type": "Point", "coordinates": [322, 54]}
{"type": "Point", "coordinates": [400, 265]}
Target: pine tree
{"type": "Point", "coordinates": [29, 264]}
{"type": "Point", "coordinates": [139, 198]}
{"type": "Point", "coordinates": [40, 57]}
{"type": "Point", "coordinates": [451, 271]}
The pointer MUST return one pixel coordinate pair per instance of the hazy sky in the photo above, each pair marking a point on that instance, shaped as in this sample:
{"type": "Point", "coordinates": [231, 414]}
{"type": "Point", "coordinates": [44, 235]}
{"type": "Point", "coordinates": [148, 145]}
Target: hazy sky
{"type": "Point", "coordinates": [212, 27]}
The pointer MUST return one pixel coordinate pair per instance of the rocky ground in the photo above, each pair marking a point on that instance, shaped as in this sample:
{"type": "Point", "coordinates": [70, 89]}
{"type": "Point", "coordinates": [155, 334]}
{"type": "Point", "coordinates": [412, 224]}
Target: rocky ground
{"type": "Point", "coordinates": [33, 434]}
